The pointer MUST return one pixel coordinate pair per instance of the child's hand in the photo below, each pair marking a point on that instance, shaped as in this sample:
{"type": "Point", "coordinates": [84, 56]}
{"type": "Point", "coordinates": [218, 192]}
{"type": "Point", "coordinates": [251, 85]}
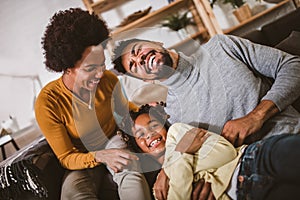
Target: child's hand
{"type": "Point", "coordinates": [192, 141]}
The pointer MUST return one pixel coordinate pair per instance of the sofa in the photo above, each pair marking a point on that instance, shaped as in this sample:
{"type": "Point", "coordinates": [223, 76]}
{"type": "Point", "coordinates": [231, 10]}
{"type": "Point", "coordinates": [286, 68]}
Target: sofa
{"type": "Point", "coordinates": [272, 34]}
{"type": "Point", "coordinates": [283, 34]}
{"type": "Point", "coordinates": [38, 172]}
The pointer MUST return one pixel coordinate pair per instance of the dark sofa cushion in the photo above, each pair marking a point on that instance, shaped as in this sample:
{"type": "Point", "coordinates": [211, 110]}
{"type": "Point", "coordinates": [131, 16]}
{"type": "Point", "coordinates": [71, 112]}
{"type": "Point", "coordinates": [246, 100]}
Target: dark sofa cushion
{"type": "Point", "coordinates": [36, 163]}
{"type": "Point", "coordinates": [291, 44]}
{"type": "Point", "coordinates": [281, 28]}
{"type": "Point", "coordinates": [256, 36]}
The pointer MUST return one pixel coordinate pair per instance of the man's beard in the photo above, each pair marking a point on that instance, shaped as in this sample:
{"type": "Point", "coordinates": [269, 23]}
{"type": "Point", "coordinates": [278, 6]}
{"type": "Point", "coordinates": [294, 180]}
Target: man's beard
{"type": "Point", "coordinates": [166, 70]}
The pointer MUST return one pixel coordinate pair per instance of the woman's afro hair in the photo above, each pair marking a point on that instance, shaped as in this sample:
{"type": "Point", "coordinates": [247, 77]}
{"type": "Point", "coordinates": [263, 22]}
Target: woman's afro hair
{"type": "Point", "coordinates": [68, 34]}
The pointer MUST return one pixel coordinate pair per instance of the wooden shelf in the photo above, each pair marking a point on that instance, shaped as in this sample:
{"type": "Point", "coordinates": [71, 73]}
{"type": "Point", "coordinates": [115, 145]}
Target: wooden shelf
{"type": "Point", "coordinates": [153, 16]}
{"type": "Point", "coordinates": [227, 31]}
{"type": "Point", "coordinates": [200, 9]}
{"type": "Point", "coordinates": [105, 5]}
{"type": "Point", "coordinates": [189, 39]}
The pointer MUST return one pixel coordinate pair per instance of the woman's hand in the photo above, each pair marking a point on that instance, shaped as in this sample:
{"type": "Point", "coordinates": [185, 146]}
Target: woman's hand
{"type": "Point", "coordinates": [161, 186]}
{"type": "Point", "coordinates": [202, 191]}
{"type": "Point", "coordinates": [192, 141]}
{"type": "Point", "coordinates": [116, 159]}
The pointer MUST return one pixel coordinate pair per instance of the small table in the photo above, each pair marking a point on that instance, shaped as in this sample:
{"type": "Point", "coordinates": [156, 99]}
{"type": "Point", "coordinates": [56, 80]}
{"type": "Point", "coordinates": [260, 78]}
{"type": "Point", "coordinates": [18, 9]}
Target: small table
{"type": "Point", "coordinates": [5, 140]}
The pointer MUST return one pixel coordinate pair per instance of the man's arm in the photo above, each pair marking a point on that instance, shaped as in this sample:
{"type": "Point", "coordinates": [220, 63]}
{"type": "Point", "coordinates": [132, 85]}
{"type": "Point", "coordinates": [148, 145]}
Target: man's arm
{"type": "Point", "coordinates": [237, 130]}
{"type": "Point", "coordinates": [264, 62]}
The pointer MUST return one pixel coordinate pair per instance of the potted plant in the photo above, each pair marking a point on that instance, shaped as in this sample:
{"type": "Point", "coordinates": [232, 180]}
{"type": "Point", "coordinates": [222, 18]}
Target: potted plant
{"type": "Point", "coordinates": [178, 22]}
{"type": "Point", "coordinates": [241, 10]}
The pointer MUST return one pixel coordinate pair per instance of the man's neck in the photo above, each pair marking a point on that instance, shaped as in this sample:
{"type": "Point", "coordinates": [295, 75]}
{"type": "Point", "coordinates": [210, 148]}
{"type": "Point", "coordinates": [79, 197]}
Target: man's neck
{"type": "Point", "coordinates": [175, 58]}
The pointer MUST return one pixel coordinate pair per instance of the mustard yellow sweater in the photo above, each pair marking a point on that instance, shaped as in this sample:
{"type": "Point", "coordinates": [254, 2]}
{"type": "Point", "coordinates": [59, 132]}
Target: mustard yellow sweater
{"type": "Point", "coordinates": [72, 128]}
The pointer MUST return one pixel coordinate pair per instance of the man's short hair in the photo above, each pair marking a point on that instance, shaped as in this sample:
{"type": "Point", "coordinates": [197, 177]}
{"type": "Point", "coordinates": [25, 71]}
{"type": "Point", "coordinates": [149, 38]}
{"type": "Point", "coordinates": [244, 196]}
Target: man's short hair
{"type": "Point", "coordinates": [118, 51]}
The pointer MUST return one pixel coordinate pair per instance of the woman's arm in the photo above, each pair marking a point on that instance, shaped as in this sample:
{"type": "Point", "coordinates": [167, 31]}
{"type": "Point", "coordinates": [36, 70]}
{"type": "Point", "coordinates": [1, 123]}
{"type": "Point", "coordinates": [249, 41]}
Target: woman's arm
{"type": "Point", "coordinates": [48, 115]}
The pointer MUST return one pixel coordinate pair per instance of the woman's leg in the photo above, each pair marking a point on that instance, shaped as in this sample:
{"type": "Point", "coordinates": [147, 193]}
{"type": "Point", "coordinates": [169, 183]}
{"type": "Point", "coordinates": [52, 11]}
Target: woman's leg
{"type": "Point", "coordinates": [82, 184]}
{"type": "Point", "coordinates": [132, 184]}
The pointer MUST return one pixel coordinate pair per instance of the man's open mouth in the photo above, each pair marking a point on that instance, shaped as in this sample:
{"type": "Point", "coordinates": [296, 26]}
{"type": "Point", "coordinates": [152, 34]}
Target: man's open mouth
{"type": "Point", "coordinates": [150, 63]}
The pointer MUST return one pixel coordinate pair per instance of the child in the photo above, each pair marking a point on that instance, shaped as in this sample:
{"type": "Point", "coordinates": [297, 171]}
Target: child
{"type": "Point", "coordinates": [265, 169]}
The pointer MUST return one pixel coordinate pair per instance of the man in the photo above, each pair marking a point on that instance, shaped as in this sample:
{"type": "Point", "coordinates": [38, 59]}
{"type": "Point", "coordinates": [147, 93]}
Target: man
{"type": "Point", "coordinates": [242, 90]}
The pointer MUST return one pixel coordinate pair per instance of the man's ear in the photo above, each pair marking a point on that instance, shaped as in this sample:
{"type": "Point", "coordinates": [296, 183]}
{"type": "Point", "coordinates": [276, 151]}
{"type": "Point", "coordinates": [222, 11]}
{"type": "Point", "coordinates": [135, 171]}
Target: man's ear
{"type": "Point", "coordinates": [158, 43]}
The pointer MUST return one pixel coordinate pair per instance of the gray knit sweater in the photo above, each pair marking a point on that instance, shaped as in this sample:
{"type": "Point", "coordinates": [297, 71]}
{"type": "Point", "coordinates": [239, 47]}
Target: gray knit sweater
{"type": "Point", "coordinates": [226, 79]}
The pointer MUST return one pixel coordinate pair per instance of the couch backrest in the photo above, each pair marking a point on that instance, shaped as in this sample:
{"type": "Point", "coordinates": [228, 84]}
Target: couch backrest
{"type": "Point", "coordinates": [281, 28]}
{"type": "Point", "coordinates": [276, 31]}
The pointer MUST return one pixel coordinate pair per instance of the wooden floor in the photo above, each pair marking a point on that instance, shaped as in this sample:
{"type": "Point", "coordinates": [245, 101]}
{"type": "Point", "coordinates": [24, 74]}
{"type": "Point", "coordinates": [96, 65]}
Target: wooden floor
{"type": "Point", "coordinates": [22, 138]}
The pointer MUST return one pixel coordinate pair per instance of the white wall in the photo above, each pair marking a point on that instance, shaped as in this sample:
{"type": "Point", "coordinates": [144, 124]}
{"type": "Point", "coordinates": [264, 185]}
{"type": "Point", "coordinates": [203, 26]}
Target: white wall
{"type": "Point", "coordinates": [22, 26]}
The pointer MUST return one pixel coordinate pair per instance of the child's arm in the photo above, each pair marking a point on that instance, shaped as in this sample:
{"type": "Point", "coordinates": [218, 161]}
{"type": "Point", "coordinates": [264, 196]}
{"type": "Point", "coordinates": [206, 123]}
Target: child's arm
{"type": "Point", "coordinates": [192, 141]}
{"type": "Point", "coordinates": [181, 173]}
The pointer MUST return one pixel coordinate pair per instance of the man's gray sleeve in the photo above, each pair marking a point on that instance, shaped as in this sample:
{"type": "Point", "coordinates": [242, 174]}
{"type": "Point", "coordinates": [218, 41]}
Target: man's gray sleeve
{"type": "Point", "coordinates": [270, 62]}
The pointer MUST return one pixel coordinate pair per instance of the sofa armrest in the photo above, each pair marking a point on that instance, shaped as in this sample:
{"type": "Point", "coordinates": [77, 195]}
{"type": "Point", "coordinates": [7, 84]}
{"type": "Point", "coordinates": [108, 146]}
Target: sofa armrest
{"type": "Point", "coordinates": [28, 171]}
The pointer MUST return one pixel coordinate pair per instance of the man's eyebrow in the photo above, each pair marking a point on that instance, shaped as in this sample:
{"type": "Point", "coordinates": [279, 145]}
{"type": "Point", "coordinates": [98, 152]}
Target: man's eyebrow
{"type": "Point", "coordinates": [132, 49]}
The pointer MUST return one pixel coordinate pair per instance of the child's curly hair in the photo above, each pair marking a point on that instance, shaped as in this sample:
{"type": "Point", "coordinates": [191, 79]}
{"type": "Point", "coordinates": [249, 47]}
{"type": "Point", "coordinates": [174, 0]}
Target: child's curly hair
{"type": "Point", "coordinates": [156, 111]}
{"type": "Point", "coordinates": [68, 34]}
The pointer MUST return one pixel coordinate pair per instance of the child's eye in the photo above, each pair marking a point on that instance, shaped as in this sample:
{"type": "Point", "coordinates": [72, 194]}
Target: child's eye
{"type": "Point", "coordinates": [140, 135]}
{"type": "Point", "coordinates": [154, 126]}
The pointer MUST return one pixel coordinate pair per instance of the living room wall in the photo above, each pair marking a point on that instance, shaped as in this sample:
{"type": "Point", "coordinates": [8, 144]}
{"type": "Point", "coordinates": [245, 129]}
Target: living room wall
{"type": "Point", "coordinates": [22, 26]}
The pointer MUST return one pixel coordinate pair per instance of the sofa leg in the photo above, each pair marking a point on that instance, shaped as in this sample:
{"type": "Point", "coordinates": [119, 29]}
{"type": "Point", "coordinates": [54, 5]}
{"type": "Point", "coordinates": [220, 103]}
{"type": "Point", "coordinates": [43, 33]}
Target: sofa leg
{"type": "Point", "coordinates": [3, 152]}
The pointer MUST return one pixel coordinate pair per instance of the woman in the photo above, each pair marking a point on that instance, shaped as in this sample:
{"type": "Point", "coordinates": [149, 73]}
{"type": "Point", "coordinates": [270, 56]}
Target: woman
{"type": "Point", "coordinates": [267, 169]}
{"type": "Point", "coordinates": [75, 112]}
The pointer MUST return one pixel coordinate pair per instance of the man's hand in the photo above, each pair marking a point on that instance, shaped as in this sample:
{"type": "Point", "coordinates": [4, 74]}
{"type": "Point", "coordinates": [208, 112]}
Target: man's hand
{"type": "Point", "coordinates": [238, 129]}
{"type": "Point", "coordinates": [192, 141]}
{"type": "Point", "coordinates": [202, 191]}
{"type": "Point", "coordinates": [161, 186]}
{"type": "Point", "coordinates": [235, 131]}
{"type": "Point", "coordinates": [116, 159]}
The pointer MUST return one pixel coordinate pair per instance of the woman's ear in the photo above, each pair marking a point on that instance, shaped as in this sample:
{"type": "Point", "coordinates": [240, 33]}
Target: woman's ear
{"type": "Point", "coordinates": [67, 71]}
{"type": "Point", "coordinates": [149, 81]}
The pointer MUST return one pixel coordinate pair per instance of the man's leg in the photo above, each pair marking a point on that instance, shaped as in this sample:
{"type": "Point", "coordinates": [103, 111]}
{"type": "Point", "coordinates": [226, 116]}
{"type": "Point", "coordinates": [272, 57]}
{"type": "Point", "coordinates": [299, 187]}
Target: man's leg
{"type": "Point", "coordinates": [282, 158]}
{"type": "Point", "coordinates": [284, 191]}
{"type": "Point", "coordinates": [268, 165]}
{"type": "Point", "coordinates": [132, 185]}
